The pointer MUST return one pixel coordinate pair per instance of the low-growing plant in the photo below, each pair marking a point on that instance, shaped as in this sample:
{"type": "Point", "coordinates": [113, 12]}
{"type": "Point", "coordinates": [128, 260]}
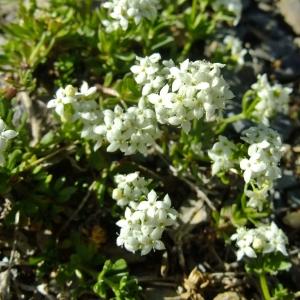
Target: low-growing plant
{"type": "Point", "coordinates": [111, 121]}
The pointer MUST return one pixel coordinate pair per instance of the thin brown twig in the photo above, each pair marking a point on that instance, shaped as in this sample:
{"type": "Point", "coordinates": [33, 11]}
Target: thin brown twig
{"type": "Point", "coordinates": [107, 91]}
{"type": "Point", "coordinates": [79, 208]}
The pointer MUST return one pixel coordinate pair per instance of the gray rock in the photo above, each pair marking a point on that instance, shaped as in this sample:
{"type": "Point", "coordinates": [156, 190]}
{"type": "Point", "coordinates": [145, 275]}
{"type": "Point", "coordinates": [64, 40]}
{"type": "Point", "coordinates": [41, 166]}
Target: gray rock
{"type": "Point", "coordinates": [290, 9]}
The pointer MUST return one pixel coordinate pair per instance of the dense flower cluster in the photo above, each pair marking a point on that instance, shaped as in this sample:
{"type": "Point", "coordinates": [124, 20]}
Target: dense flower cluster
{"type": "Point", "coordinates": [144, 223]}
{"type": "Point", "coordinates": [237, 52]}
{"type": "Point", "coordinates": [272, 99]}
{"type": "Point", "coordinates": [130, 187]}
{"type": "Point", "coordinates": [222, 155]}
{"type": "Point", "coordinates": [261, 168]}
{"type": "Point", "coordinates": [124, 12]}
{"type": "Point", "coordinates": [147, 73]}
{"type": "Point", "coordinates": [233, 6]}
{"type": "Point", "coordinates": [264, 155]}
{"type": "Point", "coordinates": [260, 241]}
{"type": "Point", "coordinates": [5, 136]}
{"type": "Point", "coordinates": [181, 94]}
{"type": "Point", "coordinates": [130, 131]}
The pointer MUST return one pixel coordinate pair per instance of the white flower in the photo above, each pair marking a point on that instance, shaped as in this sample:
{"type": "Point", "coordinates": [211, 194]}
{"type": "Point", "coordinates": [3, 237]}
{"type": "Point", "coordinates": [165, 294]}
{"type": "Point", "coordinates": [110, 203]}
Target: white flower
{"type": "Point", "coordinates": [273, 99]}
{"type": "Point", "coordinates": [5, 136]}
{"type": "Point", "coordinates": [129, 188]}
{"type": "Point", "coordinates": [86, 91]}
{"type": "Point", "coordinates": [244, 239]}
{"type": "Point", "coordinates": [257, 197]}
{"type": "Point", "coordinates": [222, 154]}
{"type": "Point", "coordinates": [260, 241]}
{"type": "Point", "coordinates": [125, 12]}
{"type": "Point", "coordinates": [233, 6]}
{"type": "Point", "coordinates": [276, 238]}
{"type": "Point", "coordinates": [62, 103]}
{"type": "Point", "coordinates": [144, 224]}
{"type": "Point", "coordinates": [236, 49]}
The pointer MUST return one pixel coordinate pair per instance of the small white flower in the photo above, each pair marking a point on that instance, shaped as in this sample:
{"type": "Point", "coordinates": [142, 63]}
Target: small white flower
{"type": "Point", "coordinates": [86, 91]}
{"type": "Point", "coordinates": [62, 103]}
{"type": "Point", "coordinates": [276, 238]}
{"type": "Point", "coordinates": [257, 197]}
{"type": "Point", "coordinates": [244, 239]}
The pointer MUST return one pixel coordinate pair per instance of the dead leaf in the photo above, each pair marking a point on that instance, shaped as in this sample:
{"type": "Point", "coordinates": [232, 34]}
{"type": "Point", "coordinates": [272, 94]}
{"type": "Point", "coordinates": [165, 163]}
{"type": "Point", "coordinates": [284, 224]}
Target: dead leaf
{"type": "Point", "coordinates": [4, 285]}
{"type": "Point", "coordinates": [193, 213]}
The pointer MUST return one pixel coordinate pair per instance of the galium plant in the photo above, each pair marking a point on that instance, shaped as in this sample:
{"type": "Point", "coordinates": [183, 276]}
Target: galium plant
{"type": "Point", "coordinates": [136, 110]}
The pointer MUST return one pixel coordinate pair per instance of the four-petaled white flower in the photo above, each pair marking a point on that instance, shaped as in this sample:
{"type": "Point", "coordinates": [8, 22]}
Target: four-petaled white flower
{"type": "Point", "coordinates": [62, 103]}
{"type": "Point", "coordinates": [257, 197]}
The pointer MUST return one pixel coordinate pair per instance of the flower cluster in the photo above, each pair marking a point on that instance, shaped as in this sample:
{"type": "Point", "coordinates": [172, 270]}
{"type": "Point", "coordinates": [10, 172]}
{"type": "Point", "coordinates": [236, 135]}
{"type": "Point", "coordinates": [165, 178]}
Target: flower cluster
{"type": "Point", "coordinates": [260, 241]}
{"type": "Point", "coordinates": [261, 168]}
{"type": "Point", "coordinates": [5, 136]}
{"type": "Point", "coordinates": [264, 155]}
{"type": "Point", "coordinates": [234, 7]}
{"type": "Point", "coordinates": [237, 52]}
{"type": "Point", "coordinates": [147, 73]}
{"type": "Point", "coordinates": [130, 187]}
{"type": "Point", "coordinates": [125, 12]}
{"type": "Point", "coordinates": [185, 93]}
{"type": "Point", "coordinates": [271, 99]}
{"type": "Point", "coordinates": [222, 155]}
{"type": "Point", "coordinates": [130, 131]}
{"type": "Point", "coordinates": [144, 223]}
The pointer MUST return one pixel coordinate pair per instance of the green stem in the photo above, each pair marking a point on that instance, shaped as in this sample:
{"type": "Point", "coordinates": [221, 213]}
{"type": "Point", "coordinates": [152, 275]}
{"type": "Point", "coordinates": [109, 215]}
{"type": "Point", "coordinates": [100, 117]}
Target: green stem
{"type": "Point", "coordinates": [186, 49]}
{"type": "Point", "coordinates": [228, 121]}
{"type": "Point", "coordinates": [264, 286]}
